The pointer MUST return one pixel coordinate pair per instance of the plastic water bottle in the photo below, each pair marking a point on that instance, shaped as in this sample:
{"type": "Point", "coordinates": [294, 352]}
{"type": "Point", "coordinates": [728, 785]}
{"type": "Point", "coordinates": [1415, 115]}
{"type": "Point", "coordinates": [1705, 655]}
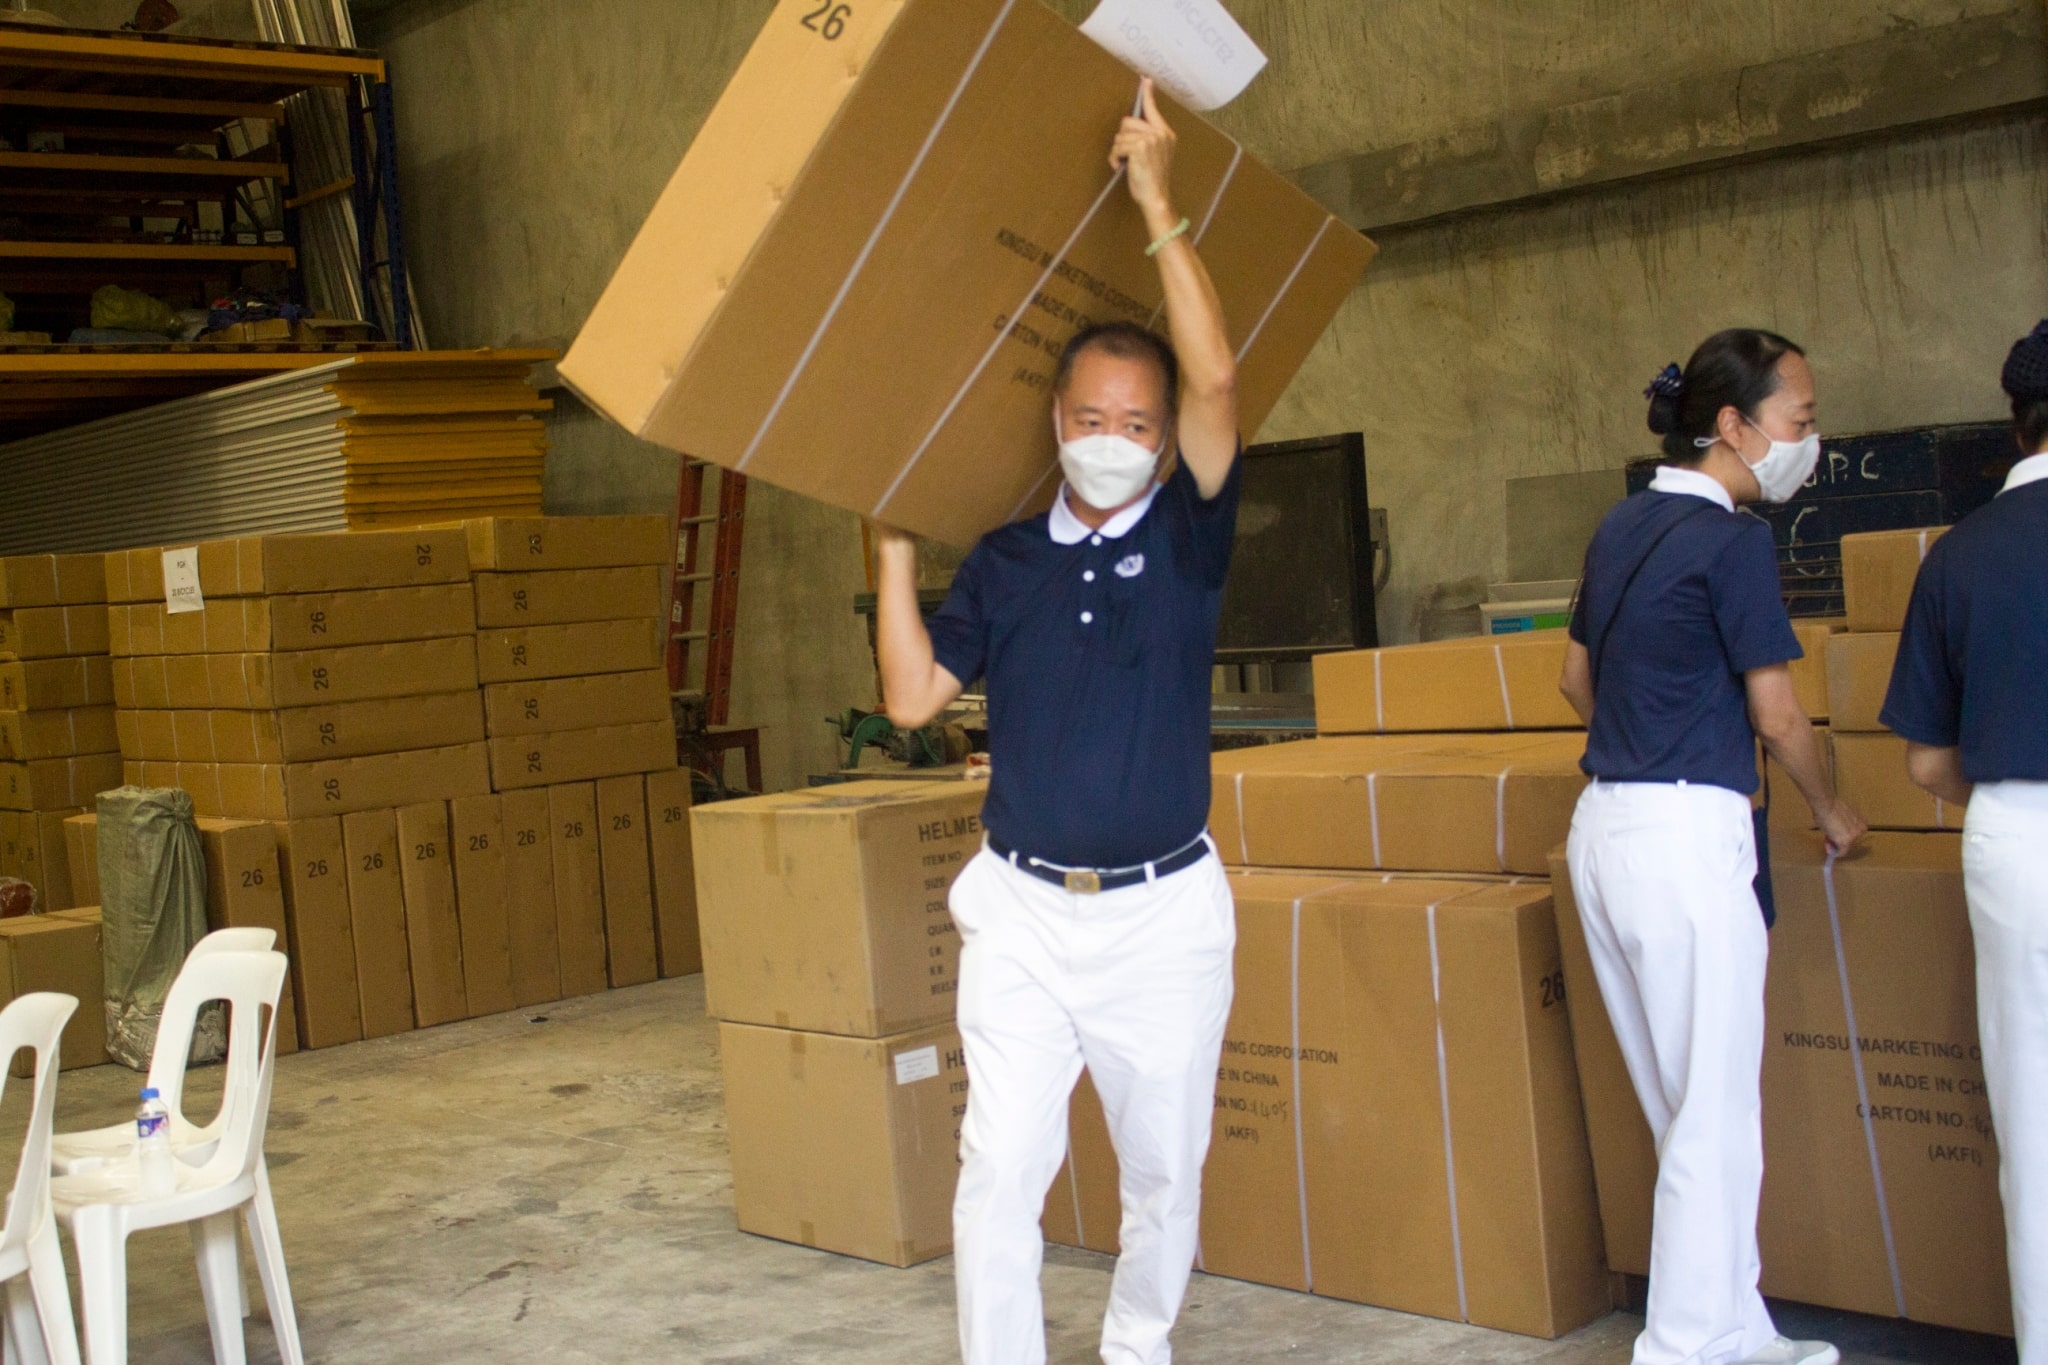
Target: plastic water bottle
{"type": "Point", "coordinates": [153, 1147]}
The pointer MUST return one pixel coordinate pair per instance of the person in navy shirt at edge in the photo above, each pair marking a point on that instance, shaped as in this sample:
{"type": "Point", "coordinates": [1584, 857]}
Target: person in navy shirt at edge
{"type": "Point", "coordinates": [1966, 695]}
{"type": "Point", "coordinates": [1677, 663]}
{"type": "Point", "coordinates": [1096, 924]}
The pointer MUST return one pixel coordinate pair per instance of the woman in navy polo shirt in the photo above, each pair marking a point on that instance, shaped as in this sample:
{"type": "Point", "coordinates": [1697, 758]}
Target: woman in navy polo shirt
{"type": "Point", "coordinates": [1966, 696]}
{"type": "Point", "coordinates": [1677, 664]}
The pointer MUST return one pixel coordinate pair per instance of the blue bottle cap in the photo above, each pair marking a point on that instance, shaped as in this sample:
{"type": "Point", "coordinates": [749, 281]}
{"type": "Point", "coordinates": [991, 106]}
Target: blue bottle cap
{"type": "Point", "coordinates": [150, 1093]}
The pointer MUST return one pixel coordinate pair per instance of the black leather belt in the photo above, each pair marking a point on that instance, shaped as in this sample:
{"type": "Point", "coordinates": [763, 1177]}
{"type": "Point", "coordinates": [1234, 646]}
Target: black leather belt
{"type": "Point", "coordinates": [1087, 881]}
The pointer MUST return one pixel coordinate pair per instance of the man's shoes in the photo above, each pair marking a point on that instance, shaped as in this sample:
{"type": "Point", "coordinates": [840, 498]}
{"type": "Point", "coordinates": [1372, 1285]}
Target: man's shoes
{"type": "Point", "coordinates": [1787, 1352]}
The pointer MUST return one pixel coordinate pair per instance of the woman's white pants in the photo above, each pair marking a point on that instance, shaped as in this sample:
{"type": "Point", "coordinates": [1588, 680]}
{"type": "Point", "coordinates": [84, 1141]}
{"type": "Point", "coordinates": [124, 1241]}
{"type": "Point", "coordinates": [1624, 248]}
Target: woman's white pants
{"type": "Point", "coordinates": [1662, 873]}
{"type": "Point", "coordinates": [2005, 874]}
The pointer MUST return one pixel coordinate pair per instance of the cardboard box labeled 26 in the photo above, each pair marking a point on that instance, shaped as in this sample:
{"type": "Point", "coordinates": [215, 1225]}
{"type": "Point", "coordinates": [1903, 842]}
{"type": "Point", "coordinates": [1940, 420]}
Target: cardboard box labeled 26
{"type": "Point", "coordinates": [928, 181]}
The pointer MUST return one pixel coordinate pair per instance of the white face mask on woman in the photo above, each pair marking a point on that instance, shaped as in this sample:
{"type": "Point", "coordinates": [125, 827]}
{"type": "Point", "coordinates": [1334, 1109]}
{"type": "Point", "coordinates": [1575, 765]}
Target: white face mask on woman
{"type": "Point", "coordinates": [1784, 470]}
{"type": "Point", "coordinates": [1106, 470]}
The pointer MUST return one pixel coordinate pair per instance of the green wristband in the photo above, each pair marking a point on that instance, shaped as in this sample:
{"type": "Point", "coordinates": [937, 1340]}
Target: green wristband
{"type": "Point", "coordinates": [1180, 228]}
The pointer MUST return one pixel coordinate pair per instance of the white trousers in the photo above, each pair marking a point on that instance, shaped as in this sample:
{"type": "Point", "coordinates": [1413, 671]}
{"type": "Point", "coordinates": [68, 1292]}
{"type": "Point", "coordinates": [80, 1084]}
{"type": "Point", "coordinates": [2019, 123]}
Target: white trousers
{"type": "Point", "coordinates": [2005, 873]}
{"type": "Point", "coordinates": [1663, 873]}
{"type": "Point", "coordinates": [1135, 984]}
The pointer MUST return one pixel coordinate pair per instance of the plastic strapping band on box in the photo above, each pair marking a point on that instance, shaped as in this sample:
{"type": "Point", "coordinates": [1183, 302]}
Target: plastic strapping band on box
{"type": "Point", "coordinates": [1372, 802]}
{"type": "Point", "coordinates": [1244, 840]}
{"type": "Point", "coordinates": [1285, 286]}
{"type": "Point", "coordinates": [1500, 817]}
{"type": "Point", "coordinates": [1507, 702]}
{"type": "Point", "coordinates": [1308, 1271]}
{"type": "Point", "coordinates": [1940, 815]}
{"type": "Point", "coordinates": [874, 238]}
{"type": "Point", "coordinates": [1923, 545]}
{"type": "Point", "coordinates": [1215, 201]}
{"type": "Point", "coordinates": [1884, 1213]}
{"type": "Point", "coordinates": [1443, 1082]}
{"type": "Point", "coordinates": [1074, 1185]}
{"type": "Point", "coordinates": [1002, 336]}
{"type": "Point", "coordinates": [1379, 696]}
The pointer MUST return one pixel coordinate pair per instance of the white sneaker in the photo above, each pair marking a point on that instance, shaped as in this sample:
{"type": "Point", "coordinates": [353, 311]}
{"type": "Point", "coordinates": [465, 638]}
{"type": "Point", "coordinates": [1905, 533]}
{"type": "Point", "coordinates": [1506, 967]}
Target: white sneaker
{"type": "Point", "coordinates": [1784, 1351]}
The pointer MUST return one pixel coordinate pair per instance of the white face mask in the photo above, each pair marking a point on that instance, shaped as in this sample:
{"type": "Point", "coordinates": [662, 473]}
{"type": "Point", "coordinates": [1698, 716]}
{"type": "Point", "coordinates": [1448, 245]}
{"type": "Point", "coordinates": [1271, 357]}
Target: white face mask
{"type": "Point", "coordinates": [1105, 470]}
{"type": "Point", "coordinates": [1784, 470]}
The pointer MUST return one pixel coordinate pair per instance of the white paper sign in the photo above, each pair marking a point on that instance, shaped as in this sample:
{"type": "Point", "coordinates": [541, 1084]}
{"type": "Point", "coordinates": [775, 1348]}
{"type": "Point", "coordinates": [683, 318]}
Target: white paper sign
{"type": "Point", "coordinates": [181, 581]}
{"type": "Point", "coordinates": [920, 1064]}
{"type": "Point", "coordinates": [1193, 48]}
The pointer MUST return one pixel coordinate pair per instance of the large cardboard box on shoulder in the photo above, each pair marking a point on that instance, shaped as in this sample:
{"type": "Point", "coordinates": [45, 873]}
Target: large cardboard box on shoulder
{"type": "Point", "coordinates": [882, 1187]}
{"type": "Point", "coordinates": [902, 186]}
{"type": "Point", "coordinates": [825, 909]}
{"type": "Point", "coordinates": [1873, 1139]}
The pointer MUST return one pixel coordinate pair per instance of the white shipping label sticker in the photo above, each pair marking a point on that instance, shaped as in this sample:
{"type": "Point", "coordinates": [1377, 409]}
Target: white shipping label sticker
{"type": "Point", "coordinates": [181, 581]}
{"type": "Point", "coordinates": [1193, 48]}
{"type": "Point", "coordinates": [919, 1064]}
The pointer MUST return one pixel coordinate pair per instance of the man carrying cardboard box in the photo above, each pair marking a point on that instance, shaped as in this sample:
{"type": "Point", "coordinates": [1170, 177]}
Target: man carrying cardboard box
{"type": "Point", "coordinates": [1096, 925]}
{"type": "Point", "coordinates": [1966, 697]}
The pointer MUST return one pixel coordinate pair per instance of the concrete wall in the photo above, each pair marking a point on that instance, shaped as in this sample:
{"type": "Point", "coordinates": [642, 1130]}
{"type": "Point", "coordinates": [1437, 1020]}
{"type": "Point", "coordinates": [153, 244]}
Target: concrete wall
{"type": "Point", "coordinates": [1519, 343]}
{"type": "Point", "coordinates": [1516, 342]}
{"type": "Point", "coordinates": [1508, 343]}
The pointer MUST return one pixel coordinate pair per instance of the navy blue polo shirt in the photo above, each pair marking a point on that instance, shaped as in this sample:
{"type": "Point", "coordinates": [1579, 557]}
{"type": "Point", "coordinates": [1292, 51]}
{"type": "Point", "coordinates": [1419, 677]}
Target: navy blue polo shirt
{"type": "Point", "coordinates": [1973, 658]}
{"type": "Point", "coordinates": [1669, 698]}
{"type": "Point", "coordinates": [1097, 656]}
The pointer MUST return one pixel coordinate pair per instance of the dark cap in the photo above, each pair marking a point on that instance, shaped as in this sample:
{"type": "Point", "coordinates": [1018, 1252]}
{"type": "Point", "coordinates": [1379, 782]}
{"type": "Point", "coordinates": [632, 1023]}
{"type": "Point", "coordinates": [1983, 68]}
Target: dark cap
{"type": "Point", "coordinates": [2026, 367]}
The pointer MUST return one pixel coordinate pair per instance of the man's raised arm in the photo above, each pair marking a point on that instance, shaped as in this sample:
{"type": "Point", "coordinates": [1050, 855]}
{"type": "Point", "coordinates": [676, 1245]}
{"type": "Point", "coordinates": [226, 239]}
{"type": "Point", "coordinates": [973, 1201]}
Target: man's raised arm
{"type": "Point", "coordinates": [1207, 421]}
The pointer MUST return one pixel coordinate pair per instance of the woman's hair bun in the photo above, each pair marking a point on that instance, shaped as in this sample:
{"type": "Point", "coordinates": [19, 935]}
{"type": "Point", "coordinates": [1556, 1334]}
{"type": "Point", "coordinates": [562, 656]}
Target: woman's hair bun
{"type": "Point", "coordinates": [1664, 393]}
{"type": "Point", "coordinates": [2025, 379]}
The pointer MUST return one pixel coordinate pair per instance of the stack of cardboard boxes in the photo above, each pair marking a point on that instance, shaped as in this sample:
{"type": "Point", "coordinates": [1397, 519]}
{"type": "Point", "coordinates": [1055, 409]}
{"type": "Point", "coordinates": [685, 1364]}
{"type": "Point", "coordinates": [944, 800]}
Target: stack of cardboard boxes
{"type": "Point", "coordinates": [58, 749]}
{"type": "Point", "coordinates": [832, 963]}
{"type": "Point", "coordinates": [1878, 572]}
{"type": "Point", "coordinates": [576, 702]}
{"type": "Point", "coordinates": [1881, 1173]}
{"type": "Point", "coordinates": [281, 677]}
{"type": "Point", "coordinates": [1397, 1115]}
{"type": "Point", "coordinates": [319, 696]}
{"type": "Point", "coordinates": [58, 742]}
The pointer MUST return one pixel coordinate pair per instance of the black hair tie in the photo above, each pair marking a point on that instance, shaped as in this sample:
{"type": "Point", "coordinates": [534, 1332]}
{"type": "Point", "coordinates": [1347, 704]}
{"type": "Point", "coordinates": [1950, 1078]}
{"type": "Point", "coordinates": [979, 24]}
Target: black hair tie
{"type": "Point", "coordinates": [1670, 382]}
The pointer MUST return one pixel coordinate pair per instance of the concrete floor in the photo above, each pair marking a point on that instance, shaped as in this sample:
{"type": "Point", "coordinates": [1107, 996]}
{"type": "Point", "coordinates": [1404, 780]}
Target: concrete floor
{"type": "Point", "coordinates": [554, 1186]}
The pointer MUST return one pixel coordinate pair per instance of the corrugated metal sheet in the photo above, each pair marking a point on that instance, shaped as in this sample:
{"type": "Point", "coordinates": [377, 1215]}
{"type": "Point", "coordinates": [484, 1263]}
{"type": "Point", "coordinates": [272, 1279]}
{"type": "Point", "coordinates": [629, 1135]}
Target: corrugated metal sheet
{"type": "Point", "coordinates": [272, 455]}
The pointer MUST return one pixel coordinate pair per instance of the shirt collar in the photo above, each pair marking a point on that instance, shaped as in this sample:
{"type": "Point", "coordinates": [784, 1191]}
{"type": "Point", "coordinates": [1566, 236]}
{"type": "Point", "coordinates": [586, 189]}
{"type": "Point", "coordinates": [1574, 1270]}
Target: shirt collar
{"type": "Point", "coordinates": [1068, 529]}
{"type": "Point", "coordinates": [2030, 470]}
{"type": "Point", "coordinates": [1671, 479]}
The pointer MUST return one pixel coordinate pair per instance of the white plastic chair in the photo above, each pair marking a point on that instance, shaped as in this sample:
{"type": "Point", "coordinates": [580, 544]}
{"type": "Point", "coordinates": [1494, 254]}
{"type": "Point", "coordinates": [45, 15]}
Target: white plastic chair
{"type": "Point", "coordinates": [75, 1153]}
{"type": "Point", "coordinates": [40, 1329]}
{"type": "Point", "coordinates": [88, 1149]}
{"type": "Point", "coordinates": [104, 1205]}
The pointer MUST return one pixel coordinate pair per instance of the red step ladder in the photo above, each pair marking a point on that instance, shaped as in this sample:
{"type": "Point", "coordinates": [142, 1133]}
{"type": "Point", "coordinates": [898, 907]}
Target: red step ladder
{"type": "Point", "coordinates": [700, 656]}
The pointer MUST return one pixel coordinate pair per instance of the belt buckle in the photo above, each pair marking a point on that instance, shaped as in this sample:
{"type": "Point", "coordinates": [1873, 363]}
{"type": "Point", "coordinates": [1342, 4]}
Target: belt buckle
{"type": "Point", "coordinates": [1083, 882]}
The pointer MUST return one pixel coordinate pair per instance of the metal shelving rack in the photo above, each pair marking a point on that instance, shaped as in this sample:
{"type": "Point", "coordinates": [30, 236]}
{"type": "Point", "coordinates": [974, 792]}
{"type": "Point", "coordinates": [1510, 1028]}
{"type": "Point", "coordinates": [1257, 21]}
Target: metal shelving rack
{"type": "Point", "coordinates": [111, 98]}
